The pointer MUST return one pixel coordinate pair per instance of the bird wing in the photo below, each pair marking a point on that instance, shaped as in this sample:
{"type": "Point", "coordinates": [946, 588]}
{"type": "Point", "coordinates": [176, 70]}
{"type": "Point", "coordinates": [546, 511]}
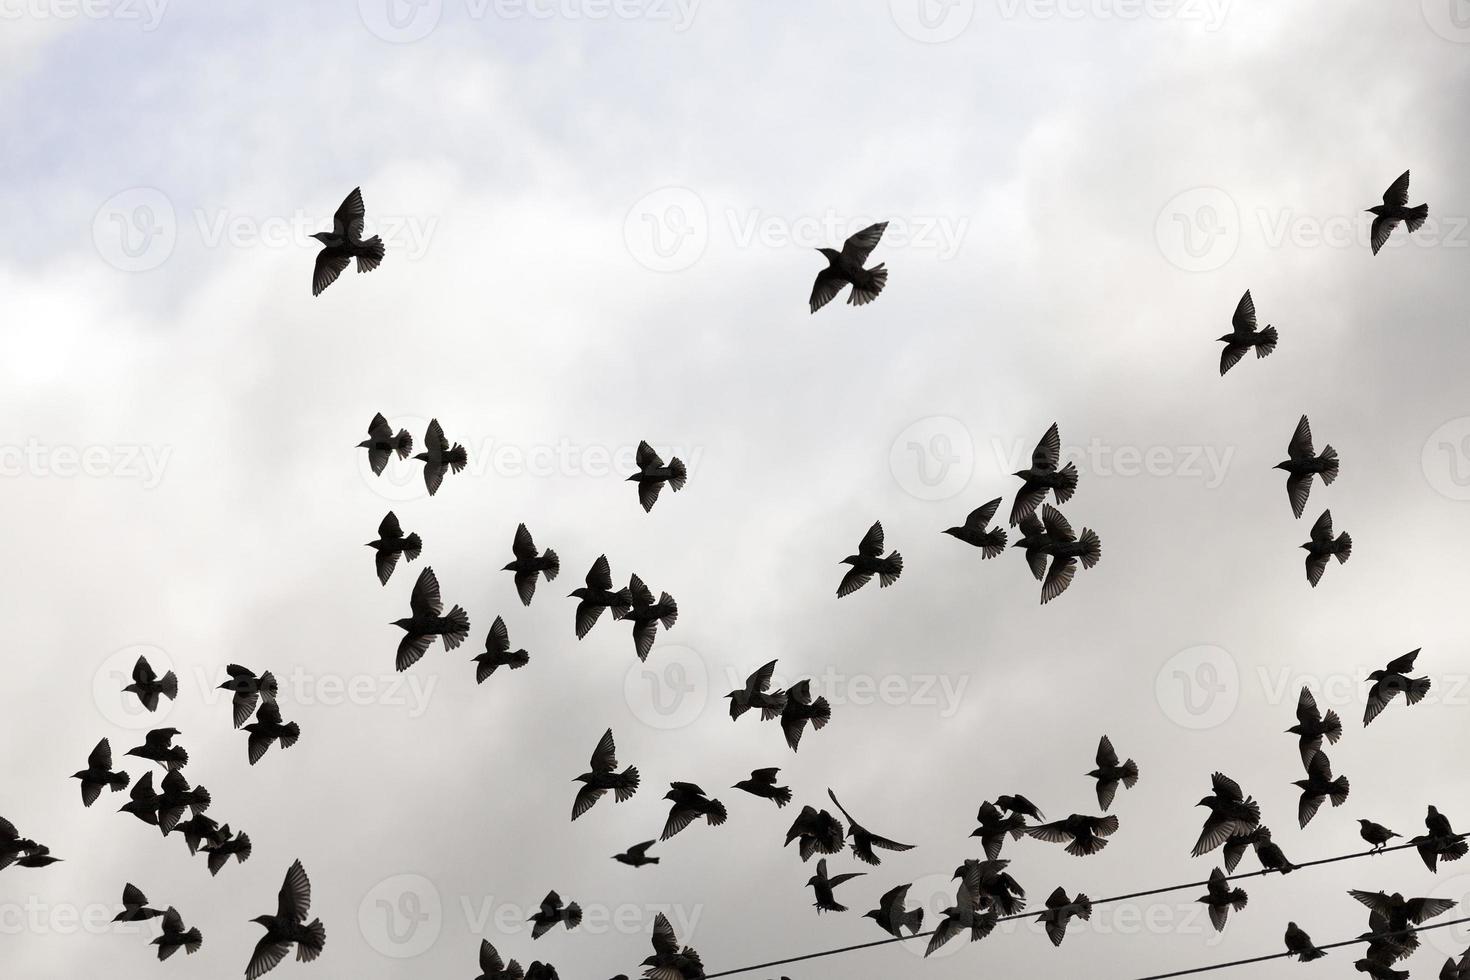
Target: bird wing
{"type": "Point", "coordinates": [1404, 664]}
{"type": "Point", "coordinates": [498, 640]}
{"type": "Point", "coordinates": [586, 796]}
{"type": "Point", "coordinates": [872, 542]}
{"type": "Point", "coordinates": [981, 516]}
{"type": "Point", "coordinates": [828, 284]}
{"type": "Point", "coordinates": [523, 546]}
{"type": "Point", "coordinates": [587, 616]}
{"type": "Point", "coordinates": [1224, 786]}
{"type": "Point", "coordinates": [1106, 790]}
{"type": "Point", "coordinates": [1316, 565]}
{"type": "Point", "coordinates": [1058, 577]}
{"type": "Point", "coordinates": [1377, 901]}
{"type": "Point", "coordinates": [143, 672]}
{"type": "Point", "coordinates": [1048, 452]}
{"type": "Point", "coordinates": [679, 818]}
{"type": "Point", "coordinates": [1397, 194]}
{"type": "Point", "coordinates": [605, 756]}
{"type": "Point", "coordinates": [411, 650]}
{"type": "Point", "coordinates": [860, 245]}
{"type": "Point", "coordinates": [855, 579]}
{"type": "Point", "coordinates": [1245, 313]}
{"type": "Point", "coordinates": [101, 757]}
{"type": "Point", "coordinates": [526, 586]}
{"type": "Point", "coordinates": [330, 263]}
{"type": "Point", "coordinates": [664, 940]}
{"type": "Point", "coordinates": [1382, 228]}
{"type": "Point", "coordinates": [1307, 711]}
{"type": "Point", "coordinates": [379, 428]}
{"type": "Point", "coordinates": [1230, 356]}
{"type": "Point", "coordinates": [425, 600]}
{"type": "Point", "coordinates": [1056, 525]}
{"type": "Point", "coordinates": [347, 222]}
{"type": "Point", "coordinates": [648, 491]}
{"type": "Point", "coordinates": [646, 458]}
{"type": "Point", "coordinates": [642, 595]}
{"type": "Point", "coordinates": [1322, 530]}
{"type": "Point", "coordinates": [389, 529]}
{"type": "Point", "coordinates": [268, 953]}
{"type": "Point", "coordinates": [295, 897]}
{"type": "Point", "coordinates": [1300, 446]}
{"type": "Point", "coordinates": [761, 679]}
{"type": "Point", "coordinates": [1427, 908]}
{"type": "Point", "coordinates": [599, 576]}
{"type": "Point", "coordinates": [1298, 488]}
{"type": "Point", "coordinates": [490, 962]}
{"type": "Point", "coordinates": [1107, 758]}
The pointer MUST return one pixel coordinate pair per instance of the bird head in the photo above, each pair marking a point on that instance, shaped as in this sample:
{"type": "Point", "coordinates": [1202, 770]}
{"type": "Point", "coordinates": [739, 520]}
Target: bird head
{"type": "Point", "coordinates": [508, 568]}
{"type": "Point", "coordinates": [578, 593]}
{"type": "Point", "coordinates": [813, 881]}
{"type": "Point", "coordinates": [849, 560]}
{"type": "Point", "coordinates": [872, 915]}
{"type": "Point", "coordinates": [423, 457]}
{"type": "Point", "coordinates": [953, 530]}
{"type": "Point", "coordinates": [79, 775]}
{"type": "Point", "coordinates": [1307, 546]}
{"type": "Point", "coordinates": [322, 236]}
{"type": "Point", "coordinates": [366, 443]}
{"type": "Point", "coordinates": [1227, 337]}
{"type": "Point", "coordinates": [405, 624]}
{"type": "Point", "coordinates": [1280, 466]}
{"type": "Point", "coordinates": [671, 795]}
{"type": "Point", "coordinates": [1375, 209]}
{"type": "Point", "coordinates": [1294, 730]}
{"type": "Point", "coordinates": [583, 778]}
{"type": "Point", "coordinates": [1208, 801]}
{"type": "Point", "coordinates": [265, 920]}
{"type": "Point", "coordinates": [1023, 474]}
{"type": "Point", "coordinates": [832, 254]}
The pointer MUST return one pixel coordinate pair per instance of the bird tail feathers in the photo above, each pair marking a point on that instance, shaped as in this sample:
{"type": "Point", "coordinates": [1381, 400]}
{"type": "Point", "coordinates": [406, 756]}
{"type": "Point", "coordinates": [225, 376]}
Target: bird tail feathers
{"type": "Point", "coordinates": [1329, 465]}
{"type": "Point", "coordinates": [554, 567]}
{"type": "Point", "coordinates": [413, 545]}
{"type": "Point", "coordinates": [289, 734]}
{"type": "Point", "coordinates": [1416, 216]}
{"type": "Point", "coordinates": [459, 627]}
{"type": "Point", "coordinates": [1130, 773]}
{"type": "Point", "coordinates": [1418, 687]}
{"type": "Point", "coordinates": [170, 685]}
{"type": "Point", "coordinates": [1092, 547]}
{"type": "Point", "coordinates": [309, 947]}
{"type": "Point", "coordinates": [678, 475]}
{"type": "Point", "coordinates": [672, 616]}
{"type": "Point", "coordinates": [371, 255]}
{"type": "Point", "coordinates": [1332, 726]}
{"type": "Point", "coordinates": [820, 713]}
{"type": "Point", "coordinates": [403, 444]}
{"type": "Point", "coordinates": [574, 915]}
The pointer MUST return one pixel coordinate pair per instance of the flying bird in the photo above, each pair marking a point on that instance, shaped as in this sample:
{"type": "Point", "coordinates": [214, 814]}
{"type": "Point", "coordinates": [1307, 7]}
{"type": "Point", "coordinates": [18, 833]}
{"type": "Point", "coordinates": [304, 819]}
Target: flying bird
{"type": "Point", "coordinates": [1065, 548]}
{"type": "Point", "coordinates": [637, 855]}
{"type": "Point", "coordinates": [647, 613]}
{"type": "Point", "coordinates": [869, 561]}
{"type": "Point", "coordinates": [1221, 899]}
{"type": "Point", "coordinates": [12, 846]}
{"type": "Point", "coordinates": [1395, 208]}
{"type": "Point", "coordinates": [529, 563]}
{"type": "Point", "coordinates": [964, 914]}
{"type": "Point", "coordinates": [287, 927]}
{"type": "Point", "coordinates": [198, 829]}
{"type": "Point", "coordinates": [38, 856]}
{"type": "Point", "coordinates": [1060, 910]}
{"type": "Point", "coordinates": [1324, 546]}
{"type": "Point", "coordinates": [891, 916]}
{"type": "Point", "coordinates": [158, 747]}
{"type": "Point", "coordinates": [1395, 914]}
{"type": "Point", "coordinates": [1391, 680]}
{"type": "Point", "coordinates": [1018, 804]}
{"type": "Point", "coordinates": [148, 686]}
{"type": "Point", "coordinates": [428, 621]}
{"type": "Point", "coordinates": [864, 840]}
{"type": "Point", "coordinates": [800, 709]}
{"type": "Point", "coordinates": [175, 797]}
{"type": "Point", "coordinates": [382, 443]}
{"type": "Point", "coordinates": [992, 885]}
{"type": "Point", "coordinates": [1244, 335]}
{"type": "Point", "coordinates": [143, 801]}
{"type": "Point", "coordinates": [266, 729]}
{"type": "Point", "coordinates": [1312, 726]}
{"type": "Point", "coordinates": [541, 971]}
{"type": "Point", "coordinates": [653, 474]}
{"type": "Point", "coordinates": [598, 595]}
{"type": "Point", "coordinates": [1083, 835]}
{"type": "Point", "coordinates": [498, 653]}
{"type": "Point", "coordinates": [603, 777]}
{"type": "Point", "coordinates": [1037, 542]}
{"type": "Point", "coordinates": [817, 831]}
{"type": "Point", "coordinates": [757, 694]}
{"type": "Point", "coordinates": [1318, 786]}
{"type": "Point", "coordinates": [762, 783]}
{"type": "Point", "coordinates": [1300, 945]}
{"type": "Point", "coordinates": [176, 937]}
{"type": "Point", "coordinates": [1302, 463]}
{"type": "Point", "coordinates": [135, 906]}
{"type": "Point", "coordinates": [822, 886]}
{"type": "Point", "coordinates": [1110, 772]}
{"type": "Point", "coordinates": [994, 828]}
{"type": "Point", "coordinates": [670, 961]}
{"type": "Point", "coordinates": [1231, 813]}
{"type": "Point", "coordinates": [439, 455]}
{"type": "Point", "coordinates": [1044, 477]}
{"type": "Point", "coordinates": [229, 845]}
{"type": "Point", "coordinates": [553, 911]}
{"type": "Point", "coordinates": [492, 967]}
{"type": "Point", "coordinates": [846, 268]}
{"type": "Point", "coordinates": [248, 689]}
{"type": "Point", "coordinates": [391, 543]}
{"type": "Point", "coordinates": [1375, 834]}
{"type": "Point", "coordinates": [99, 774]}
{"type": "Point", "coordinates": [976, 530]}
{"type": "Point", "coordinates": [1440, 842]}
{"type": "Point", "coordinates": [688, 803]}
{"type": "Point", "coordinates": [344, 243]}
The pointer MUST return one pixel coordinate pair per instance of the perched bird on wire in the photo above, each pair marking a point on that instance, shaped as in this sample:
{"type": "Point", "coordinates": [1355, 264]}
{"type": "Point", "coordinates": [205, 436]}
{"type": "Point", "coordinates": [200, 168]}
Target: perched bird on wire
{"type": "Point", "coordinates": [552, 912]}
{"type": "Point", "coordinates": [891, 915]}
{"type": "Point", "coordinates": [99, 774]}
{"type": "Point", "coordinates": [869, 561]}
{"type": "Point", "coordinates": [864, 840]}
{"type": "Point", "coordinates": [382, 443]}
{"type": "Point", "coordinates": [800, 709]}
{"type": "Point", "coordinates": [529, 563]}
{"type": "Point", "coordinates": [653, 474]}
{"type": "Point", "coordinates": [1439, 842]}
{"type": "Point", "coordinates": [603, 777]}
{"type": "Point", "coordinates": [1045, 475]}
{"type": "Point", "coordinates": [757, 693]}
{"type": "Point", "coordinates": [1300, 945]}
{"type": "Point", "coordinates": [846, 268]}
{"type": "Point", "coordinates": [288, 927]}
{"type": "Point", "coordinates": [1391, 680]}
{"type": "Point", "coordinates": [1060, 910]}
{"type": "Point", "coordinates": [1302, 463]}
{"type": "Point", "coordinates": [439, 456]}
{"type": "Point", "coordinates": [248, 690]}
{"type": "Point", "coordinates": [1312, 726]}
{"type": "Point", "coordinates": [1324, 546]}
{"type": "Point", "coordinates": [1244, 335]}
{"type": "Point", "coordinates": [428, 621]}
{"type": "Point", "coordinates": [976, 530]}
{"type": "Point", "coordinates": [598, 595]}
{"type": "Point", "coordinates": [822, 886]}
{"type": "Point", "coordinates": [498, 653]}
{"type": "Point", "coordinates": [1221, 899]}
{"type": "Point", "coordinates": [148, 686]}
{"type": "Point", "coordinates": [1375, 834]}
{"type": "Point", "coordinates": [390, 543]}
{"type": "Point", "coordinates": [1110, 772]}
{"type": "Point", "coordinates": [344, 243]}
{"type": "Point", "coordinates": [1395, 208]}
{"type": "Point", "coordinates": [1269, 853]}
{"type": "Point", "coordinates": [762, 783]}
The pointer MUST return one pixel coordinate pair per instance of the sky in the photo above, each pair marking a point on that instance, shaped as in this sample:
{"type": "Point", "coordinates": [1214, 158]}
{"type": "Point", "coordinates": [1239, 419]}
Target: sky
{"type": "Point", "coordinates": [599, 218]}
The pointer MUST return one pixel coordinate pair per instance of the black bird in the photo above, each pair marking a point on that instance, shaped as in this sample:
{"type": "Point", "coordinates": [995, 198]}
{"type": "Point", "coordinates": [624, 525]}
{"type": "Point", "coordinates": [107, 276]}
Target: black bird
{"type": "Point", "coordinates": [1269, 853]}
{"type": "Point", "coordinates": [976, 530]}
{"type": "Point", "coordinates": [197, 830]}
{"type": "Point", "coordinates": [498, 653]}
{"type": "Point", "coordinates": [800, 709]}
{"type": "Point", "coordinates": [143, 802]}
{"type": "Point", "coordinates": [1065, 548]}
{"type": "Point", "coordinates": [248, 690]}
{"type": "Point", "coordinates": [1235, 847]}
{"type": "Point", "coordinates": [439, 456]}
{"type": "Point", "coordinates": [869, 561]}
{"type": "Point", "coordinates": [1375, 834]}
{"type": "Point", "coordinates": [428, 621]}
{"type": "Point", "coordinates": [1044, 477]}
{"type": "Point", "coordinates": [38, 856]}
{"type": "Point", "coordinates": [529, 563]}
{"type": "Point", "coordinates": [653, 474]}
{"type": "Point", "coordinates": [1302, 463]}
{"type": "Point", "coordinates": [12, 845]}
{"type": "Point", "coordinates": [598, 595]}
{"type": "Point", "coordinates": [492, 967]}
{"type": "Point", "coordinates": [1244, 335]}
{"type": "Point", "coordinates": [288, 926]}
{"type": "Point", "coordinates": [1109, 773]}
{"type": "Point", "coordinates": [1378, 962]}
{"type": "Point", "coordinates": [864, 840]}
{"type": "Point", "coordinates": [1318, 786]}
{"type": "Point", "coordinates": [176, 936]}
{"type": "Point", "coordinates": [1300, 945]}
{"type": "Point", "coordinates": [757, 694]}
{"type": "Point", "coordinates": [964, 914]}
{"type": "Point", "coordinates": [1440, 842]}
{"type": "Point", "coordinates": [647, 613]}
{"type": "Point", "coordinates": [688, 803]}
{"type": "Point", "coordinates": [891, 916]}
{"type": "Point", "coordinates": [1312, 726]}
{"type": "Point", "coordinates": [1324, 546]}
{"type": "Point", "coordinates": [158, 747]}
{"type": "Point", "coordinates": [1395, 208]}
{"type": "Point", "coordinates": [1231, 813]}
{"type": "Point", "coordinates": [637, 855]}
{"type": "Point", "coordinates": [846, 268]}
{"type": "Point", "coordinates": [994, 827]}
{"type": "Point", "coordinates": [391, 543]}
{"type": "Point", "coordinates": [670, 961]}
{"type": "Point", "coordinates": [176, 796]}
{"type": "Point", "coordinates": [1452, 970]}
{"type": "Point", "coordinates": [1018, 804]}
{"type": "Point", "coordinates": [553, 911]}
{"type": "Point", "coordinates": [1060, 910]}
{"type": "Point", "coordinates": [817, 831]}
{"type": "Point", "coordinates": [1391, 680]}
{"type": "Point", "coordinates": [1396, 914]}
{"type": "Point", "coordinates": [344, 243]}
{"type": "Point", "coordinates": [1221, 899]}
{"type": "Point", "coordinates": [229, 845]}
{"type": "Point", "coordinates": [1083, 835]}
{"type": "Point", "coordinates": [603, 777]}
{"type": "Point", "coordinates": [381, 443]}
{"type": "Point", "coordinates": [99, 774]}
{"type": "Point", "coordinates": [762, 783]}
{"type": "Point", "coordinates": [822, 886]}
{"type": "Point", "coordinates": [993, 885]}
{"type": "Point", "coordinates": [1037, 543]}
{"type": "Point", "coordinates": [541, 971]}
{"type": "Point", "coordinates": [268, 728]}
{"type": "Point", "coordinates": [148, 686]}
{"type": "Point", "coordinates": [135, 906]}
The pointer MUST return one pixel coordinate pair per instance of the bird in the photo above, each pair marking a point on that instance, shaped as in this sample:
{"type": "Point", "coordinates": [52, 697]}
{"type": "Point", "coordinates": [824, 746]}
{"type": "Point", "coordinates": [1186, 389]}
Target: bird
{"type": "Point", "coordinates": [1395, 208]}
{"type": "Point", "coordinates": [688, 803]}
{"type": "Point", "coordinates": [637, 855]}
{"type": "Point", "coordinates": [391, 543]}
{"type": "Point", "coordinates": [248, 690]}
{"type": "Point", "coordinates": [553, 911]}
{"type": "Point", "coordinates": [1220, 898]}
{"type": "Point", "coordinates": [1044, 476]}
{"type": "Point", "coordinates": [1375, 834]}
{"type": "Point", "coordinates": [428, 621]}
{"type": "Point", "coordinates": [647, 613]}
{"type": "Point", "coordinates": [541, 971]}
{"type": "Point", "coordinates": [757, 694]}
{"type": "Point", "coordinates": [1017, 804]}
{"type": "Point", "coordinates": [1235, 847]}
{"type": "Point", "coordinates": [1452, 970]}
{"type": "Point", "coordinates": [964, 914]}
{"type": "Point", "coordinates": [846, 268]}
{"type": "Point", "coordinates": [603, 777]}
{"type": "Point", "coordinates": [869, 561]}
{"type": "Point", "coordinates": [653, 474]}
{"type": "Point", "coordinates": [492, 967]}
{"type": "Point", "coordinates": [1109, 773]}
{"type": "Point", "coordinates": [1324, 546]}
{"type": "Point", "coordinates": [1302, 463]}
{"type": "Point", "coordinates": [37, 856]}
{"type": "Point", "coordinates": [817, 831]}
{"type": "Point", "coordinates": [891, 916]}
{"type": "Point", "coordinates": [99, 774]}
{"type": "Point", "coordinates": [864, 840]}
{"type": "Point", "coordinates": [176, 795]}
{"type": "Point", "coordinates": [1318, 786]}
{"type": "Point", "coordinates": [1060, 910]}
{"type": "Point", "coordinates": [800, 709]}
{"type": "Point", "coordinates": [12, 845]}
{"type": "Point", "coordinates": [231, 845]}
{"type": "Point", "coordinates": [439, 456]}
{"type": "Point", "coordinates": [288, 926]}
{"type": "Point", "coordinates": [266, 729]}
{"type": "Point", "coordinates": [1440, 842]}
{"type": "Point", "coordinates": [822, 886]}
{"type": "Point", "coordinates": [1083, 835]}
{"type": "Point", "coordinates": [148, 686]}
{"type": "Point", "coordinates": [498, 653]}
{"type": "Point", "coordinates": [762, 783]}
{"type": "Point", "coordinates": [1312, 726]}
{"type": "Point", "coordinates": [1395, 914]}
{"type": "Point", "coordinates": [344, 243]}
{"type": "Point", "coordinates": [976, 530]}
{"type": "Point", "coordinates": [1391, 680]}
{"type": "Point", "coordinates": [1231, 813]}
{"type": "Point", "coordinates": [1378, 963]}
{"type": "Point", "coordinates": [598, 595]}
{"type": "Point", "coordinates": [143, 801]}
{"type": "Point", "coordinates": [135, 906]}
{"type": "Point", "coordinates": [176, 936]}
{"type": "Point", "coordinates": [670, 961]}
{"type": "Point", "coordinates": [1037, 543]}
{"type": "Point", "coordinates": [1065, 548]}
{"type": "Point", "coordinates": [197, 830]}
{"type": "Point", "coordinates": [1269, 853]}
{"type": "Point", "coordinates": [994, 827]}
{"type": "Point", "coordinates": [992, 885]}
{"type": "Point", "coordinates": [529, 563]}
{"type": "Point", "coordinates": [382, 444]}
{"type": "Point", "coordinates": [1300, 945]}
{"type": "Point", "coordinates": [158, 747]}
{"type": "Point", "coordinates": [1244, 335]}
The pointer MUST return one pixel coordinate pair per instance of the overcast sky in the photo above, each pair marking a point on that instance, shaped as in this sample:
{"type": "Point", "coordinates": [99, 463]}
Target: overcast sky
{"type": "Point", "coordinates": [599, 219]}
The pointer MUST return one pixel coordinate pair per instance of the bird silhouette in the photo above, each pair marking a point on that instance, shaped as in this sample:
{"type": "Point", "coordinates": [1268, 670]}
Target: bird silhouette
{"type": "Point", "coordinates": [12, 845]}
{"type": "Point", "coordinates": [1452, 970]}
{"type": "Point", "coordinates": [1044, 477]}
{"type": "Point", "coordinates": [598, 595]}
{"type": "Point", "coordinates": [382, 443]}
{"type": "Point", "coordinates": [1300, 945]}
{"type": "Point", "coordinates": [687, 803]}
{"type": "Point", "coordinates": [267, 728]}
{"type": "Point", "coordinates": [1244, 335]}
{"type": "Point", "coordinates": [869, 561]}
{"type": "Point", "coordinates": [1375, 834]}
{"type": "Point", "coordinates": [197, 830]}
{"type": "Point", "coordinates": [1391, 680]}
{"type": "Point", "coordinates": [1083, 835]}
{"type": "Point", "coordinates": [1318, 786]}
{"type": "Point", "coordinates": [439, 456]}
{"type": "Point", "coordinates": [492, 967]}
{"type": "Point", "coordinates": [603, 777]}
{"type": "Point", "coordinates": [845, 268]}
{"type": "Point", "coordinates": [757, 693]}
{"type": "Point", "coordinates": [1439, 842]}
{"type": "Point", "coordinates": [670, 961]}
{"type": "Point", "coordinates": [37, 856]}
{"type": "Point", "coordinates": [1110, 772]}
{"type": "Point", "coordinates": [1231, 813]}
{"type": "Point", "coordinates": [135, 906]}
{"type": "Point", "coordinates": [992, 885]}
{"type": "Point", "coordinates": [1037, 542]}
{"type": "Point", "coordinates": [1302, 463]}
{"type": "Point", "coordinates": [288, 927]}
{"type": "Point", "coordinates": [143, 801]}
{"type": "Point", "coordinates": [1396, 914]}
{"type": "Point", "coordinates": [99, 774]}
{"type": "Point", "coordinates": [541, 971]}
{"type": "Point", "coordinates": [965, 914]}
{"type": "Point", "coordinates": [647, 613]}
{"type": "Point", "coordinates": [1395, 208]}
{"type": "Point", "coordinates": [175, 936]}
{"type": "Point", "coordinates": [1017, 804]}
{"type": "Point", "coordinates": [148, 686]}
{"type": "Point", "coordinates": [248, 690]}
{"type": "Point", "coordinates": [529, 563]}
{"type": "Point", "coordinates": [175, 796]}
{"type": "Point", "coordinates": [344, 243]}
{"type": "Point", "coordinates": [1065, 548]}
{"type": "Point", "coordinates": [817, 831]}
{"type": "Point", "coordinates": [637, 855]}
{"type": "Point", "coordinates": [1269, 853]}
{"type": "Point", "coordinates": [391, 543]}
{"type": "Point", "coordinates": [864, 840]}
{"type": "Point", "coordinates": [158, 747]}
{"type": "Point", "coordinates": [428, 621]}
{"type": "Point", "coordinates": [1312, 726]}
{"type": "Point", "coordinates": [552, 912]}
{"type": "Point", "coordinates": [801, 709]}
{"type": "Point", "coordinates": [1323, 546]}
{"type": "Point", "coordinates": [976, 530]}
{"type": "Point", "coordinates": [822, 886]}
{"type": "Point", "coordinates": [891, 916]}
{"type": "Point", "coordinates": [498, 653]}
{"type": "Point", "coordinates": [762, 783]}
{"type": "Point", "coordinates": [1060, 910]}
{"type": "Point", "coordinates": [653, 474]}
{"type": "Point", "coordinates": [994, 828]}
{"type": "Point", "coordinates": [229, 845]}
{"type": "Point", "coordinates": [1221, 899]}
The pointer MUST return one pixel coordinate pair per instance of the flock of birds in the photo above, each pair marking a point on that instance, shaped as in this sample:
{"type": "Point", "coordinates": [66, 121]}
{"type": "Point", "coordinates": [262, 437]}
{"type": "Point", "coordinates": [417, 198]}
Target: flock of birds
{"type": "Point", "coordinates": [987, 890]}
